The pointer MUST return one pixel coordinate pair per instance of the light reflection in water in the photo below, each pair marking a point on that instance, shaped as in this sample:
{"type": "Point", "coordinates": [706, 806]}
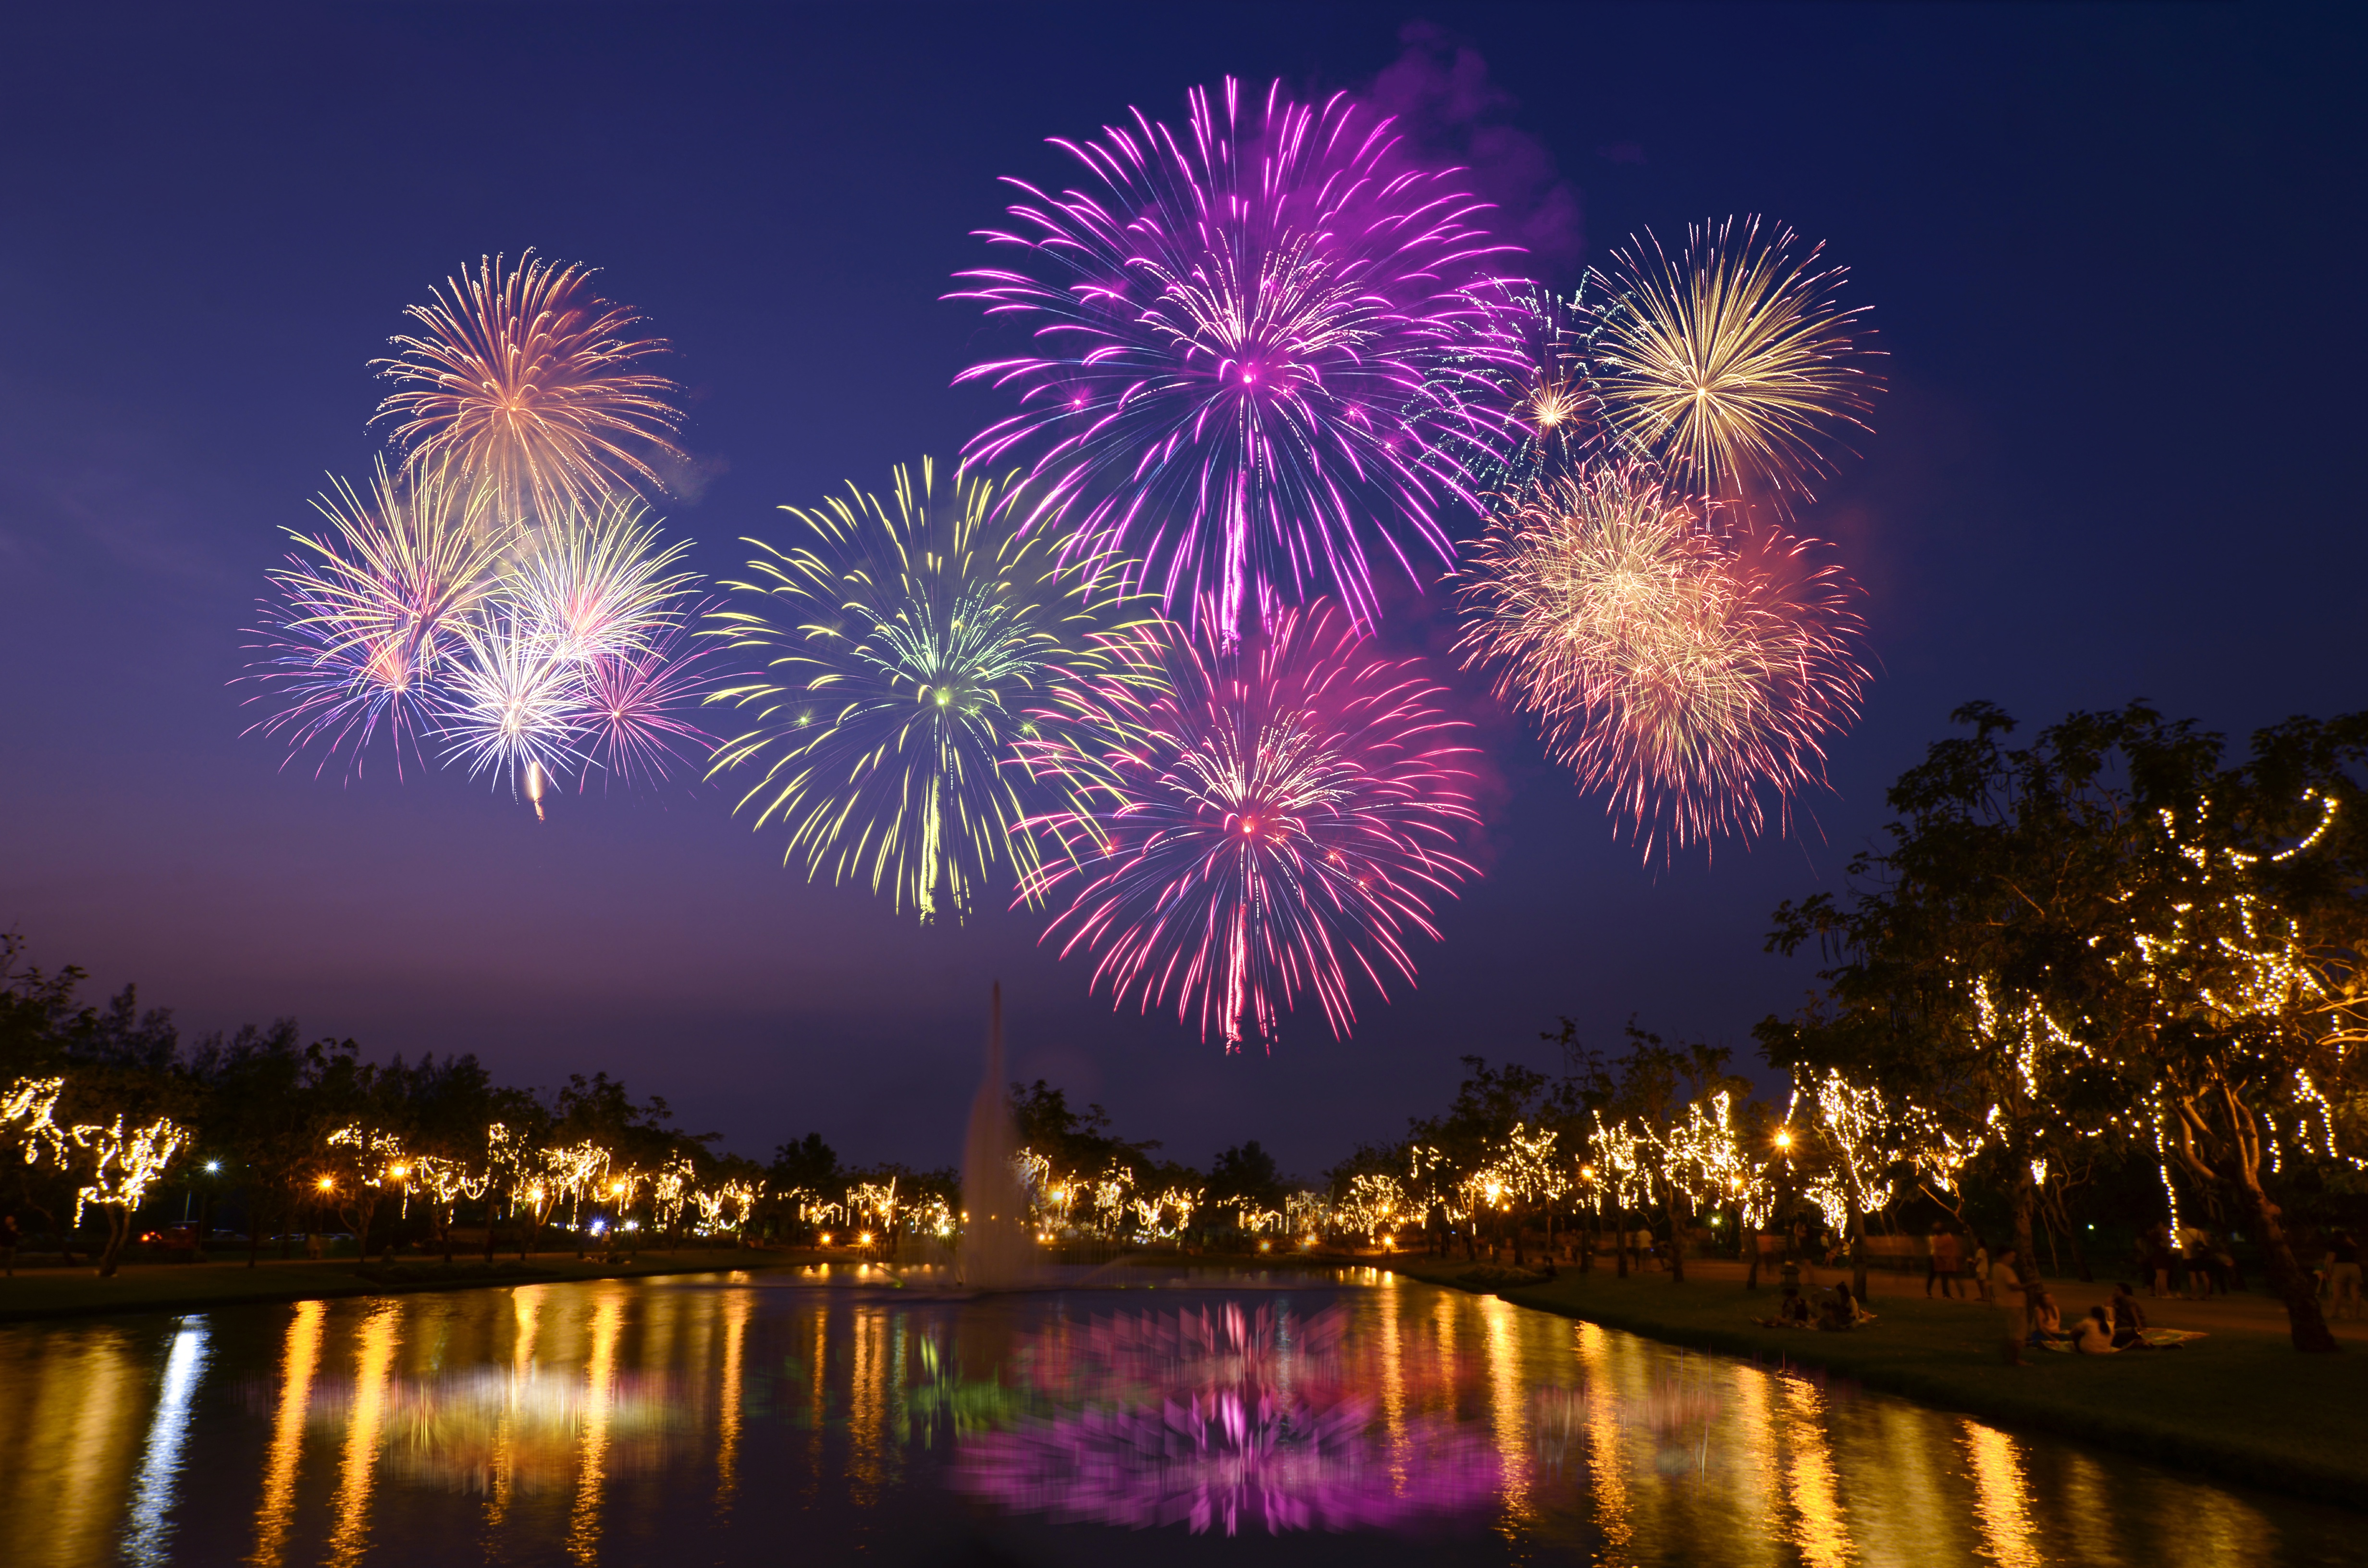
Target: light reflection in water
{"type": "Point", "coordinates": [1820, 1531]}
{"type": "Point", "coordinates": [1607, 1465]}
{"type": "Point", "coordinates": [1507, 1401]}
{"type": "Point", "coordinates": [298, 1363]}
{"type": "Point", "coordinates": [2000, 1498]}
{"type": "Point", "coordinates": [578, 1424]}
{"type": "Point", "coordinates": [381, 1332]}
{"type": "Point", "coordinates": [160, 1467]}
{"type": "Point", "coordinates": [737, 1305]}
{"type": "Point", "coordinates": [600, 1387]}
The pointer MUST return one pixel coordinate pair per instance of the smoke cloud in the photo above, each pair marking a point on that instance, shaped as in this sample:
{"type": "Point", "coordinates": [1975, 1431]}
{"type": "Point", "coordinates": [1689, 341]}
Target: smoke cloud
{"type": "Point", "coordinates": [1451, 113]}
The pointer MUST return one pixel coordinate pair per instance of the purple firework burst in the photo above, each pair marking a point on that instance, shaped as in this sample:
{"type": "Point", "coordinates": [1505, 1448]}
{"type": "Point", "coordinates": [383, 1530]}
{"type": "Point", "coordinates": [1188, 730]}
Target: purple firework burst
{"type": "Point", "coordinates": [1261, 342]}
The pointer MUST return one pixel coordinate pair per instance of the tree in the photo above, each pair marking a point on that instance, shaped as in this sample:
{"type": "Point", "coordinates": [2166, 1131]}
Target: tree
{"type": "Point", "coordinates": [1246, 1179]}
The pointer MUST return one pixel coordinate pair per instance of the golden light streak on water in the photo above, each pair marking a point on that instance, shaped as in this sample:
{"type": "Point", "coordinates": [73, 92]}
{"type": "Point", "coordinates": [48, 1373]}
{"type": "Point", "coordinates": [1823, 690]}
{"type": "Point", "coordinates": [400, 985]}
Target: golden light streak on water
{"type": "Point", "coordinates": [1899, 1507]}
{"type": "Point", "coordinates": [1508, 1404]}
{"type": "Point", "coordinates": [72, 1455]}
{"type": "Point", "coordinates": [2227, 1532]}
{"type": "Point", "coordinates": [818, 1412]}
{"type": "Point", "coordinates": [525, 1316]}
{"type": "Point", "coordinates": [1760, 1476]}
{"type": "Point", "coordinates": [1819, 1528]}
{"type": "Point", "coordinates": [381, 1333]}
{"type": "Point", "coordinates": [2090, 1512]}
{"type": "Point", "coordinates": [737, 1305]}
{"type": "Point", "coordinates": [1607, 1466]}
{"type": "Point", "coordinates": [2001, 1499]}
{"type": "Point", "coordinates": [296, 1364]}
{"type": "Point", "coordinates": [867, 1412]}
{"type": "Point", "coordinates": [599, 1402]}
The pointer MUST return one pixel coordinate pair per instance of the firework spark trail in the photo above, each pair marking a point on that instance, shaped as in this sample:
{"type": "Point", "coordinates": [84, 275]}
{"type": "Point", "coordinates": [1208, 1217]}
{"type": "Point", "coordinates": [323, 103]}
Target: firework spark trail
{"type": "Point", "coordinates": [412, 615]}
{"type": "Point", "coordinates": [1250, 341]}
{"type": "Point", "coordinates": [1277, 813]}
{"type": "Point", "coordinates": [598, 584]}
{"type": "Point", "coordinates": [523, 377]}
{"type": "Point", "coordinates": [917, 638]}
{"type": "Point", "coordinates": [1534, 413]}
{"type": "Point", "coordinates": [1688, 672]}
{"type": "Point", "coordinates": [367, 616]}
{"type": "Point", "coordinates": [1733, 364]}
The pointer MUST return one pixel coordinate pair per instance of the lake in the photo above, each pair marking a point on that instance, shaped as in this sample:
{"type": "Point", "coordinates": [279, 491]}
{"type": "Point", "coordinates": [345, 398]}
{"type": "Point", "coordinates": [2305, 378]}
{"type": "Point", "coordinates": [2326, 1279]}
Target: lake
{"type": "Point", "coordinates": [834, 1414]}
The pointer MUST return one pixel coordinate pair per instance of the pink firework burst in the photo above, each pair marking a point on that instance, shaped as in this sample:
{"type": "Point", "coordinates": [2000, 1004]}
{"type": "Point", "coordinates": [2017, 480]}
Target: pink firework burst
{"type": "Point", "coordinates": [1260, 343]}
{"type": "Point", "coordinates": [1278, 814]}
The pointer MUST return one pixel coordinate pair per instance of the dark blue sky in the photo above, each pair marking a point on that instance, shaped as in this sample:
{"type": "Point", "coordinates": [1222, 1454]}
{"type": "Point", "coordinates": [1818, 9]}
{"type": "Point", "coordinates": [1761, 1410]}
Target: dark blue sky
{"type": "Point", "coordinates": [2114, 255]}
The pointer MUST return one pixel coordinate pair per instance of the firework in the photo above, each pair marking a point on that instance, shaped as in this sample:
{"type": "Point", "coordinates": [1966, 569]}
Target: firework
{"type": "Point", "coordinates": [1278, 814]}
{"type": "Point", "coordinates": [1731, 365]}
{"type": "Point", "coordinates": [915, 639]}
{"type": "Point", "coordinates": [1252, 338]}
{"type": "Point", "coordinates": [1688, 671]}
{"type": "Point", "coordinates": [367, 616]}
{"type": "Point", "coordinates": [1534, 412]}
{"type": "Point", "coordinates": [525, 379]}
{"type": "Point", "coordinates": [413, 616]}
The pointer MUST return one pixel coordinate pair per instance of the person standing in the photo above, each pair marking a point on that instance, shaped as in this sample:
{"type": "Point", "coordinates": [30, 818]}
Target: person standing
{"type": "Point", "coordinates": [1948, 1261]}
{"type": "Point", "coordinates": [10, 1236]}
{"type": "Point", "coordinates": [1981, 1270]}
{"type": "Point", "coordinates": [2343, 1274]}
{"type": "Point", "coordinates": [2007, 1289]}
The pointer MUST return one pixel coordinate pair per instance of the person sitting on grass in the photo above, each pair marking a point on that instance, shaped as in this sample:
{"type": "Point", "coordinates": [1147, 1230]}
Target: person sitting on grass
{"type": "Point", "coordinates": [2094, 1335]}
{"type": "Point", "coordinates": [2129, 1319]}
{"type": "Point", "coordinates": [1790, 1313]}
{"type": "Point", "coordinates": [1841, 1312]}
{"type": "Point", "coordinates": [2046, 1320]}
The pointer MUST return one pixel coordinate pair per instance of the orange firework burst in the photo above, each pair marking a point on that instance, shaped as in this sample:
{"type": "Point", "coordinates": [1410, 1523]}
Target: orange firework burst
{"type": "Point", "coordinates": [1691, 673]}
{"type": "Point", "coordinates": [523, 377]}
{"type": "Point", "coordinates": [1733, 365]}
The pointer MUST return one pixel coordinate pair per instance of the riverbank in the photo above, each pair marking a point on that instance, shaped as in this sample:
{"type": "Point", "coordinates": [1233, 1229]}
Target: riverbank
{"type": "Point", "coordinates": [35, 1294]}
{"type": "Point", "coordinates": [2240, 1405]}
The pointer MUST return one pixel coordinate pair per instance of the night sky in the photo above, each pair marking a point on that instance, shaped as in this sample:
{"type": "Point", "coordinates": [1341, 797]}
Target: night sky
{"type": "Point", "coordinates": [2114, 255]}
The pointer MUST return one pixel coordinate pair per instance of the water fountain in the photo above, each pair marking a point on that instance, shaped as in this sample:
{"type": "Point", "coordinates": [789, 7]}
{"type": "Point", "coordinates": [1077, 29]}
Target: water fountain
{"type": "Point", "coordinates": [997, 1252]}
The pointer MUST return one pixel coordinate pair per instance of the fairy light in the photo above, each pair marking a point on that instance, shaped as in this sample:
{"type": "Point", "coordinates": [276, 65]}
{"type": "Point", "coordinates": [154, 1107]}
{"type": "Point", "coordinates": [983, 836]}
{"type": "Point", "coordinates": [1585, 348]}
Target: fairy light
{"type": "Point", "coordinates": [124, 1165]}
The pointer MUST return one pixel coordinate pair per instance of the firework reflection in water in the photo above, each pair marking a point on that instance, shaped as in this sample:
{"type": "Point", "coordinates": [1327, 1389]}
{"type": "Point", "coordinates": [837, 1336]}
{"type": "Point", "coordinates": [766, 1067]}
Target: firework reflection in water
{"type": "Point", "coordinates": [1218, 1418]}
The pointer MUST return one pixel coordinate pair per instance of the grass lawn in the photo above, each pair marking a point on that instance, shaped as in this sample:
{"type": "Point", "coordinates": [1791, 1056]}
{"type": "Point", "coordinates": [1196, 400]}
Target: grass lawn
{"type": "Point", "coordinates": [2241, 1404]}
{"type": "Point", "coordinates": [195, 1287]}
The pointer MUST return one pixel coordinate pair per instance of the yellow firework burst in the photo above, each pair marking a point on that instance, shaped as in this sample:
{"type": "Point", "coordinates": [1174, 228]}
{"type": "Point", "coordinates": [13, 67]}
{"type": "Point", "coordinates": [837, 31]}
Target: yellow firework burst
{"type": "Point", "coordinates": [913, 643]}
{"type": "Point", "coordinates": [526, 381]}
{"type": "Point", "coordinates": [1734, 364]}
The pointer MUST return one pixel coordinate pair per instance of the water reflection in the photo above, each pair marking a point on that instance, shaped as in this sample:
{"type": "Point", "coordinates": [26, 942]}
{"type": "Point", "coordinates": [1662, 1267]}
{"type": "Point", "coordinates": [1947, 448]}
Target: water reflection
{"type": "Point", "coordinates": [698, 1422]}
{"type": "Point", "coordinates": [1214, 1419]}
{"type": "Point", "coordinates": [160, 1465]}
{"type": "Point", "coordinates": [300, 1359]}
{"type": "Point", "coordinates": [381, 1331]}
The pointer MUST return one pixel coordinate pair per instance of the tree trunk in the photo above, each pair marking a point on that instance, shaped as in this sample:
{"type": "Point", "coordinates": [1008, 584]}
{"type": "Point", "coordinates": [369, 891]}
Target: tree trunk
{"type": "Point", "coordinates": [2026, 1197]}
{"type": "Point", "coordinates": [1620, 1246]}
{"type": "Point", "coordinates": [1677, 1243]}
{"type": "Point", "coordinates": [119, 1231]}
{"type": "Point", "coordinates": [1858, 1247]}
{"type": "Point", "coordinates": [2287, 1276]}
{"type": "Point", "coordinates": [1751, 1277]}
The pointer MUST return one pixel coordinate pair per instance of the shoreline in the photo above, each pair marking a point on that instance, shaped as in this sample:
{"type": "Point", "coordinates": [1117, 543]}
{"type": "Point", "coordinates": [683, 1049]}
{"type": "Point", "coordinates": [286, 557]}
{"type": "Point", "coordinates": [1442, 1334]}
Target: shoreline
{"type": "Point", "coordinates": [2239, 1406]}
{"type": "Point", "coordinates": [64, 1294]}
